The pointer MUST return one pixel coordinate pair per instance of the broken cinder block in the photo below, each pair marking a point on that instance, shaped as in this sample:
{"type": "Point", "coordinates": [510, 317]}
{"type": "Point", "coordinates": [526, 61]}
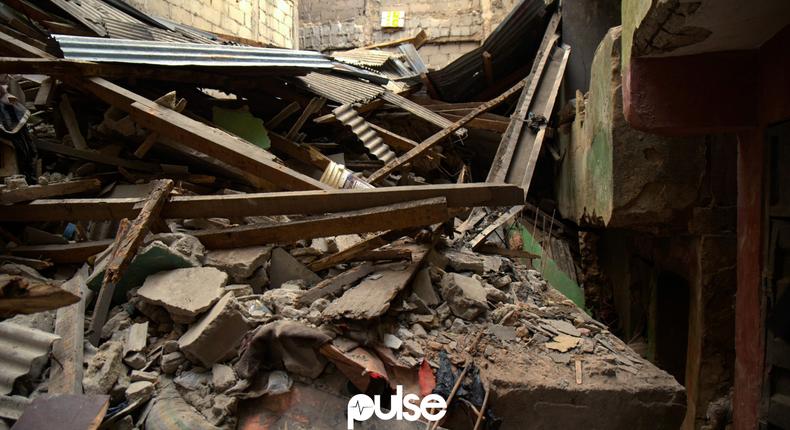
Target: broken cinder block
{"type": "Point", "coordinates": [239, 263]}
{"type": "Point", "coordinates": [184, 293]}
{"type": "Point", "coordinates": [465, 296]}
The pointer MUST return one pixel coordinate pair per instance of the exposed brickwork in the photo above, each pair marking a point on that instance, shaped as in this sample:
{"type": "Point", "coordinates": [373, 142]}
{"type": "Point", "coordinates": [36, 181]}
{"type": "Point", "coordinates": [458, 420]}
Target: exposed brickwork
{"type": "Point", "coordinates": [267, 21]}
{"type": "Point", "coordinates": [454, 26]}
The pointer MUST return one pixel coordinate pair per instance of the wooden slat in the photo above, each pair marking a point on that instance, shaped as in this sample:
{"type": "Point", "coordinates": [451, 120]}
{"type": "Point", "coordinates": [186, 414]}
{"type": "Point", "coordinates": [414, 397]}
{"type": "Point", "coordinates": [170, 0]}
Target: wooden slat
{"type": "Point", "coordinates": [397, 216]}
{"type": "Point", "coordinates": [66, 376]}
{"type": "Point", "coordinates": [287, 111]}
{"type": "Point", "coordinates": [96, 157]}
{"type": "Point", "coordinates": [314, 106]}
{"type": "Point", "coordinates": [507, 145]}
{"type": "Point", "coordinates": [44, 93]}
{"type": "Point", "coordinates": [440, 135]}
{"type": "Point", "coordinates": [356, 250]}
{"type": "Point", "coordinates": [70, 253]}
{"type": "Point", "coordinates": [418, 110]}
{"type": "Point", "coordinates": [70, 120]}
{"type": "Point", "coordinates": [503, 219]}
{"type": "Point", "coordinates": [281, 203]}
{"type": "Point", "coordinates": [34, 192]}
{"type": "Point", "coordinates": [336, 284]}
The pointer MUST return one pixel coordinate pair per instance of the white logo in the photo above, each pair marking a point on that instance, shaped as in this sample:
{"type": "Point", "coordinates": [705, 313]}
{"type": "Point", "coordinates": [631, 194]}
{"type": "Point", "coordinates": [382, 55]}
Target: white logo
{"type": "Point", "coordinates": [361, 407]}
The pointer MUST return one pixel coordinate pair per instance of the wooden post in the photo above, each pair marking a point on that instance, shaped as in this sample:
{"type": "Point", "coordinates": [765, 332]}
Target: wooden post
{"type": "Point", "coordinates": [126, 244]}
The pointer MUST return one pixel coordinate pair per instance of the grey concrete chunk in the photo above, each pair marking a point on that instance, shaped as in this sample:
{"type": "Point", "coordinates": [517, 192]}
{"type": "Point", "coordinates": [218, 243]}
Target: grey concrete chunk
{"type": "Point", "coordinates": [104, 369]}
{"type": "Point", "coordinates": [284, 267]}
{"type": "Point", "coordinates": [463, 261]}
{"type": "Point", "coordinates": [216, 335]}
{"type": "Point", "coordinates": [239, 263]}
{"type": "Point", "coordinates": [184, 293]}
{"type": "Point", "coordinates": [465, 296]}
{"type": "Point", "coordinates": [140, 390]}
{"type": "Point", "coordinates": [423, 288]}
{"type": "Point", "coordinates": [222, 377]}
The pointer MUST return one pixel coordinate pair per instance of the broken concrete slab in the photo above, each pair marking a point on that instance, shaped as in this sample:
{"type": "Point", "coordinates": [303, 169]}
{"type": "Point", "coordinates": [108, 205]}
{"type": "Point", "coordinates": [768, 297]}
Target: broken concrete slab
{"type": "Point", "coordinates": [135, 360]}
{"type": "Point", "coordinates": [239, 290]}
{"type": "Point", "coordinates": [139, 391]}
{"type": "Point", "coordinates": [239, 263]}
{"type": "Point", "coordinates": [104, 368]}
{"type": "Point", "coordinates": [170, 362]}
{"type": "Point", "coordinates": [465, 296]}
{"type": "Point", "coordinates": [153, 258]}
{"type": "Point", "coordinates": [184, 293]}
{"type": "Point", "coordinates": [216, 335]}
{"type": "Point", "coordinates": [137, 338]}
{"type": "Point", "coordinates": [140, 375]}
{"type": "Point", "coordinates": [464, 261]}
{"type": "Point", "coordinates": [284, 267]}
{"type": "Point", "coordinates": [423, 288]}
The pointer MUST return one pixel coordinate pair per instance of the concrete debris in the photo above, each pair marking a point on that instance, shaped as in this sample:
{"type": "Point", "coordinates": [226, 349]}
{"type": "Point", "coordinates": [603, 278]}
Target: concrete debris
{"type": "Point", "coordinates": [563, 343]}
{"type": "Point", "coordinates": [423, 287]}
{"type": "Point", "coordinates": [464, 295]}
{"type": "Point", "coordinates": [239, 263]}
{"type": "Point", "coordinates": [104, 368]}
{"type": "Point", "coordinates": [240, 290]}
{"type": "Point", "coordinates": [463, 261]}
{"type": "Point", "coordinates": [139, 375]}
{"type": "Point", "coordinates": [171, 362]}
{"type": "Point", "coordinates": [222, 377]}
{"type": "Point", "coordinates": [216, 336]}
{"type": "Point", "coordinates": [139, 391]}
{"type": "Point", "coordinates": [185, 293]}
{"type": "Point", "coordinates": [284, 267]}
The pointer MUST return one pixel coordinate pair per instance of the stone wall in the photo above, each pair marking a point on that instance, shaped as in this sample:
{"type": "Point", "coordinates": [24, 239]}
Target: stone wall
{"type": "Point", "coordinates": [270, 22]}
{"type": "Point", "coordinates": [454, 27]}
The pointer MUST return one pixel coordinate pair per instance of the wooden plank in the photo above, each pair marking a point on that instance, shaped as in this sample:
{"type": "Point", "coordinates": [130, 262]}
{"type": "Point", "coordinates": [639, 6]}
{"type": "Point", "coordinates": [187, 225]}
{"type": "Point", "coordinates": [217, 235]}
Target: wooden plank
{"type": "Point", "coordinates": [153, 137]}
{"type": "Point", "coordinates": [394, 141]}
{"type": "Point", "coordinates": [417, 40]}
{"type": "Point", "coordinates": [336, 284]}
{"type": "Point", "coordinates": [522, 166]}
{"type": "Point", "coordinates": [64, 412]}
{"type": "Point", "coordinates": [66, 376]}
{"type": "Point", "coordinates": [45, 92]}
{"type": "Point", "coordinates": [72, 253]}
{"type": "Point", "coordinates": [396, 216]}
{"type": "Point", "coordinates": [488, 67]}
{"type": "Point", "coordinates": [305, 154]}
{"type": "Point", "coordinates": [496, 125]}
{"type": "Point", "coordinates": [196, 135]}
{"type": "Point", "coordinates": [357, 249]}
{"type": "Point", "coordinates": [22, 295]}
{"type": "Point", "coordinates": [507, 145]}
{"type": "Point", "coordinates": [70, 120]}
{"type": "Point", "coordinates": [287, 111]}
{"type": "Point", "coordinates": [428, 143]}
{"type": "Point", "coordinates": [371, 298]}
{"type": "Point", "coordinates": [125, 248]}
{"type": "Point", "coordinates": [96, 156]}
{"type": "Point", "coordinates": [34, 192]}
{"type": "Point", "coordinates": [314, 106]}
{"type": "Point", "coordinates": [503, 219]}
{"type": "Point", "coordinates": [383, 254]}
{"type": "Point", "coordinates": [280, 203]}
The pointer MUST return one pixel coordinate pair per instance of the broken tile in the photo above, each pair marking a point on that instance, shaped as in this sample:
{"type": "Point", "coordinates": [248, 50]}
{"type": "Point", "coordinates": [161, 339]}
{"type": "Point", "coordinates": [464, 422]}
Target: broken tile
{"type": "Point", "coordinates": [563, 343]}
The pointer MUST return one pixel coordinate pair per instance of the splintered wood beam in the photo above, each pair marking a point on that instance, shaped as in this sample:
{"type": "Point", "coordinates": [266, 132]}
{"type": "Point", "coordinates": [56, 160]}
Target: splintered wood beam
{"type": "Point", "coordinates": [66, 378]}
{"type": "Point", "coordinates": [357, 249]}
{"type": "Point", "coordinates": [287, 111]}
{"type": "Point", "coordinates": [428, 143]}
{"type": "Point", "coordinates": [70, 119]}
{"type": "Point", "coordinates": [71, 253]}
{"type": "Point", "coordinates": [153, 137]}
{"type": "Point", "coordinates": [125, 248]}
{"type": "Point", "coordinates": [401, 215]}
{"type": "Point", "coordinates": [305, 154]}
{"type": "Point", "coordinates": [314, 106]}
{"type": "Point", "coordinates": [279, 203]}
{"type": "Point", "coordinates": [34, 192]}
{"type": "Point", "coordinates": [196, 135]}
{"type": "Point", "coordinates": [44, 93]}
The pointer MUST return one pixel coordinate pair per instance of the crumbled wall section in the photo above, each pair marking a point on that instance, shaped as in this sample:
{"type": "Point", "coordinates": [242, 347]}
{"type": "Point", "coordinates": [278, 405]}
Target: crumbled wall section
{"type": "Point", "coordinates": [454, 27]}
{"type": "Point", "coordinates": [267, 21]}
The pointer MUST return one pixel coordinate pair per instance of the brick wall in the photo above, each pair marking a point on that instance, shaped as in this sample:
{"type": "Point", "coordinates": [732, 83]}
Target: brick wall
{"type": "Point", "coordinates": [454, 27]}
{"type": "Point", "coordinates": [267, 21]}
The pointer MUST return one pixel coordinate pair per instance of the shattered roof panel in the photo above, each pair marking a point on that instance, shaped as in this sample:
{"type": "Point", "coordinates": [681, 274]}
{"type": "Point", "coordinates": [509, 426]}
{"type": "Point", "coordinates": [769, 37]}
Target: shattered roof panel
{"type": "Point", "coordinates": [341, 90]}
{"type": "Point", "coordinates": [20, 348]}
{"type": "Point", "coordinates": [365, 57]}
{"type": "Point", "coordinates": [185, 54]}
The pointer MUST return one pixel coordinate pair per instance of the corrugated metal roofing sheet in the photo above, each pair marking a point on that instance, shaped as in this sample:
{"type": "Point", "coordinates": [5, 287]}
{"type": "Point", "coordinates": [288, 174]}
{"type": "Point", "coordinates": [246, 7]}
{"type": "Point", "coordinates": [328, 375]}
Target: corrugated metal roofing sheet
{"type": "Point", "coordinates": [369, 138]}
{"type": "Point", "coordinates": [341, 90]}
{"type": "Point", "coordinates": [365, 57]}
{"type": "Point", "coordinates": [513, 44]}
{"type": "Point", "coordinates": [185, 54]}
{"type": "Point", "coordinates": [21, 348]}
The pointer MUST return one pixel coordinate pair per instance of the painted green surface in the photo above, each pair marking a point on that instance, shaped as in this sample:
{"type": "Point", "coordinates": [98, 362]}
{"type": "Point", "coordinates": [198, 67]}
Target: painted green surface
{"type": "Point", "coordinates": [551, 272]}
{"type": "Point", "coordinates": [241, 123]}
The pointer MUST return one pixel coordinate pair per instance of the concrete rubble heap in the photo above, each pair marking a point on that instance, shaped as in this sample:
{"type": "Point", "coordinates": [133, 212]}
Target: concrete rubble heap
{"type": "Point", "coordinates": [203, 252]}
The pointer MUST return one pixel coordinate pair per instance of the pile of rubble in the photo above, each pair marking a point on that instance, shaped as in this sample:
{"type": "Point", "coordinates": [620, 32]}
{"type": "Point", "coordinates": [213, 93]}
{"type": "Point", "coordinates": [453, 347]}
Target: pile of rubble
{"type": "Point", "coordinates": [192, 265]}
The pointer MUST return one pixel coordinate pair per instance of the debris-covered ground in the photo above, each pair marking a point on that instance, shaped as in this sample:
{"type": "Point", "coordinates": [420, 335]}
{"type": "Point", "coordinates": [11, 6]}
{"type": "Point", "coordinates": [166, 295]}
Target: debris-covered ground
{"type": "Point", "coordinates": [221, 236]}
